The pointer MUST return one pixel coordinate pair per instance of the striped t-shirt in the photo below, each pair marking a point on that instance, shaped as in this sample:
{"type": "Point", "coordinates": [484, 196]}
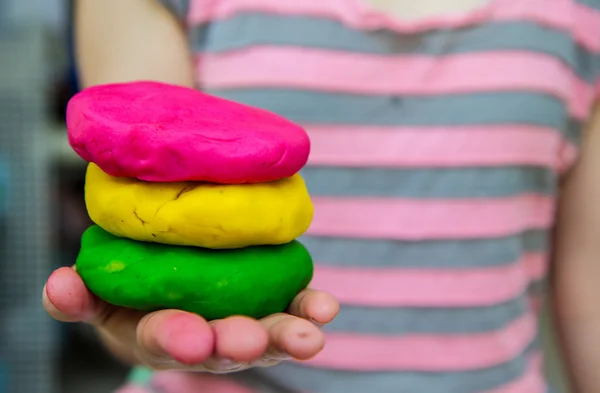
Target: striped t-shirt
{"type": "Point", "coordinates": [437, 148]}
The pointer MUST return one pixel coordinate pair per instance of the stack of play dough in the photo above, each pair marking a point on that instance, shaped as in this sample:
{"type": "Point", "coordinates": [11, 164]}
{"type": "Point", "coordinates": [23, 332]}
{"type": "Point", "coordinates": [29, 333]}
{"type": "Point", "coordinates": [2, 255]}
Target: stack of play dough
{"type": "Point", "coordinates": [196, 200]}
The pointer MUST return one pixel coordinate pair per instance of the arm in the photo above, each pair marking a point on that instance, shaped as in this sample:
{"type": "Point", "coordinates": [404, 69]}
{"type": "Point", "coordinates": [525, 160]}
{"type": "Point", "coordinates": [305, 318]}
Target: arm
{"type": "Point", "coordinates": [121, 41]}
{"type": "Point", "coordinates": [575, 279]}
{"type": "Point", "coordinates": [127, 40]}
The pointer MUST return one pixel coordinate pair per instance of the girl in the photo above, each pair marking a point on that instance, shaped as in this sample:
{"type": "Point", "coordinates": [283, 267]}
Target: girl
{"type": "Point", "coordinates": [455, 144]}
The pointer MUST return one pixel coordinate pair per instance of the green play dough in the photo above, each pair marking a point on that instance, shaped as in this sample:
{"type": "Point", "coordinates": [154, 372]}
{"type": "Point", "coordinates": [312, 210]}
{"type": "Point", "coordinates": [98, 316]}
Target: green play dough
{"type": "Point", "coordinates": [254, 281]}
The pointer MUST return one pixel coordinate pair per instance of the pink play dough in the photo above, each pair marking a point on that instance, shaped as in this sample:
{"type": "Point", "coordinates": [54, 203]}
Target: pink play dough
{"type": "Point", "coordinates": [163, 133]}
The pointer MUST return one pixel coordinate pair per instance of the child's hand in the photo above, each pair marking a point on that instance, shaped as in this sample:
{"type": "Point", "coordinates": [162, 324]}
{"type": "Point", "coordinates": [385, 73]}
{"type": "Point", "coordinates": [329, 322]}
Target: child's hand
{"type": "Point", "coordinates": [172, 339]}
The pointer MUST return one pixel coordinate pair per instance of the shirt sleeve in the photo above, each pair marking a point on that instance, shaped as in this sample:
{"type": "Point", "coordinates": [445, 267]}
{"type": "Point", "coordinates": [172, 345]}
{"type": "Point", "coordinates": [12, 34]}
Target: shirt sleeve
{"type": "Point", "coordinates": [179, 8]}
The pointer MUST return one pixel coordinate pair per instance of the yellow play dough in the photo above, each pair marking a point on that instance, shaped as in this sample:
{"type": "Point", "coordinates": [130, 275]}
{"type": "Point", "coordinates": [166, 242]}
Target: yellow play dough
{"type": "Point", "coordinates": [199, 214]}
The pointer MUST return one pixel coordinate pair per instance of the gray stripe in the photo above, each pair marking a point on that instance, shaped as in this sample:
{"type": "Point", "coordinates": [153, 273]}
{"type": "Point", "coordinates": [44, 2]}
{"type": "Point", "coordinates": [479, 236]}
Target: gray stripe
{"type": "Point", "coordinates": [293, 377]}
{"type": "Point", "coordinates": [429, 183]}
{"type": "Point", "coordinates": [400, 321]}
{"type": "Point", "coordinates": [178, 7]}
{"type": "Point", "coordinates": [538, 288]}
{"type": "Point", "coordinates": [250, 29]}
{"type": "Point", "coordinates": [593, 4]}
{"type": "Point", "coordinates": [429, 254]}
{"type": "Point", "coordinates": [572, 131]}
{"type": "Point", "coordinates": [497, 108]}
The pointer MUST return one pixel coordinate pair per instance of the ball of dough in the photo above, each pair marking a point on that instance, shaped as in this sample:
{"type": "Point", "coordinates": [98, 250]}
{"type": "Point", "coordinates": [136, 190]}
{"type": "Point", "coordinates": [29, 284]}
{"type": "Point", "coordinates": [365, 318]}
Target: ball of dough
{"type": "Point", "coordinates": [199, 214]}
{"type": "Point", "coordinates": [254, 281]}
{"type": "Point", "coordinates": [164, 133]}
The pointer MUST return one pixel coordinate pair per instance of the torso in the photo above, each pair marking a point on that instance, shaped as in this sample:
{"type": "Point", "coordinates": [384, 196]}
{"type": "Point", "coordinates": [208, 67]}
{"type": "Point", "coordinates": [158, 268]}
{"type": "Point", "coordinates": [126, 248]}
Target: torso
{"type": "Point", "coordinates": [437, 149]}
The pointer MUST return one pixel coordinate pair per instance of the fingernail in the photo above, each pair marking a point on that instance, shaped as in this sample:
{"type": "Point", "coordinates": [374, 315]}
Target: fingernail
{"type": "Point", "coordinates": [278, 356]}
{"type": "Point", "coordinates": [165, 362]}
{"type": "Point", "coordinates": [228, 365]}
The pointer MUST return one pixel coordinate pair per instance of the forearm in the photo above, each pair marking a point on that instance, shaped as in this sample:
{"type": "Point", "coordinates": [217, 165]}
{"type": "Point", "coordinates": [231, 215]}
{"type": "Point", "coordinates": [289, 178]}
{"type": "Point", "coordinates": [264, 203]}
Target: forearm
{"type": "Point", "coordinates": [577, 315]}
{"type": "Point", "coordinates": [575, 270]}
{"type": "Point", "coordinates": [122, 41]}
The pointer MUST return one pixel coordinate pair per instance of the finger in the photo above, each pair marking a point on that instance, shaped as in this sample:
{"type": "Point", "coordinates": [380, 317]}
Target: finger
{"type": "Point", "coordinates": [319, 307]}
{"type": "Point", "coordinates": [292, 337]}
{"type": "Point", "coordinates": [238, 341]}
{"type": "Point", "coordinates": [168, 337]}
{"type": "Point", "coordinates": [66, 298]}
{"type": "Point", "coordinates": [240, 338]}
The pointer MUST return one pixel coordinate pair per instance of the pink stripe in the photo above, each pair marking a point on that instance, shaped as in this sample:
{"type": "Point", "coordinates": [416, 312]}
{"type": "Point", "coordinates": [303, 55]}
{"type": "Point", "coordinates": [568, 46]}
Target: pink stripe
{"type": "Point", "coordinates": [181, 382]}
{"type": "Point", "coordinates": [421, 147]}
{"type": "Point", "coordinates": [426, 352]}
{"type": "Point", "coordinates": [565, 15]}
{"type": "Point", "coordinates": [414, 75]}
{"type": "Point", "coordinates": [202, 11]}
{"type": "Point", "coordinates": [535, 361]}
{"type": "Point", "coordinates": [536, 266]}
{"type": "Point", "coordinates": [426, 219]}
{"type": "Point", "coordinates": [132, 389]}
{"type": "Point", "coordinates": [531, 382]}
{"type": "Point", "coordinates": [428, 287]}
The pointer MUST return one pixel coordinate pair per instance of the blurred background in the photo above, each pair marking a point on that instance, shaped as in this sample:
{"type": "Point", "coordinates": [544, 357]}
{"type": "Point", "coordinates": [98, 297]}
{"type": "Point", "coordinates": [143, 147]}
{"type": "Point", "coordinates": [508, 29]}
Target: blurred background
{"type": "Point", "coordinates": [42, 213]}
{"type": "Point", "coordinates": [41, 206]}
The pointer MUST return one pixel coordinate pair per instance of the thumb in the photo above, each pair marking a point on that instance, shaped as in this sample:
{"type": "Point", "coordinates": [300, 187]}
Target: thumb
{"type": "Point", "coordinates": [66, 298]}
